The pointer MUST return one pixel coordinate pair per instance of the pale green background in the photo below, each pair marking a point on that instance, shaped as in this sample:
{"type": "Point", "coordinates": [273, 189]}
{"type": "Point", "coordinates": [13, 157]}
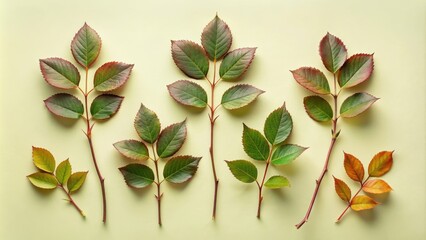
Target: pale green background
{"type": "Point", "coordinates": [287, 34]}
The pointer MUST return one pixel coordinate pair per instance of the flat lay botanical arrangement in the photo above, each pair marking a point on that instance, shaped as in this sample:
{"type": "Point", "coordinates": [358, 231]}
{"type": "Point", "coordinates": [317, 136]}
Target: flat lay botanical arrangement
{"type": "Point", "coordinates": [268, 148]}
{"type": "Point", "coordinates": [164, 144]}
{"type": "Point", "coordinates": [154, 158]}
{"type": "Point", "coordinates": [347, 72]}
{"type": "Point", "coordinates": [62, 74]}
{"type": "Point", "coordinates": [50, 177]}
{"type": "Point", "coordinates": [194, 61]}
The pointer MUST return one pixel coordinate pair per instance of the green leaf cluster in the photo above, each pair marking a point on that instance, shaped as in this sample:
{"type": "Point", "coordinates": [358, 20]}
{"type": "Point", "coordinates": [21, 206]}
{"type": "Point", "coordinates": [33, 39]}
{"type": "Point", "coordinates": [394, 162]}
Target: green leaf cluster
{"type": "Point", "coordinates": [348, 72]}
{"type": "Point", "coordinates": [62, 74]}
{"type": "Point", "coordinates": [270, 148]}
{"type": "Point", "coordinates": [193, 60]}
{"type": "Point", "coordinates": [50, 177]}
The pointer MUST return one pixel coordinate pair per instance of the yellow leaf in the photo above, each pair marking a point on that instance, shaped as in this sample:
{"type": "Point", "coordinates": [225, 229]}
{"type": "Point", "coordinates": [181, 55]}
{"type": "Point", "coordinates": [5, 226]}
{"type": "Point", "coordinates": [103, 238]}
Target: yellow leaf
{"type": "Point", "coordinates": [380, 164]}
{"type": "Point", "coordinates": [362, 202]}
{"type": "Point", "coordinates": [376, 186]}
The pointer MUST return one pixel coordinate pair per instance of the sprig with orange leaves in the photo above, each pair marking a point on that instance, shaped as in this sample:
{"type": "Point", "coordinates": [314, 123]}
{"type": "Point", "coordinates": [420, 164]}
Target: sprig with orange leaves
{"type": "Point", "coordinates": [379, 166]}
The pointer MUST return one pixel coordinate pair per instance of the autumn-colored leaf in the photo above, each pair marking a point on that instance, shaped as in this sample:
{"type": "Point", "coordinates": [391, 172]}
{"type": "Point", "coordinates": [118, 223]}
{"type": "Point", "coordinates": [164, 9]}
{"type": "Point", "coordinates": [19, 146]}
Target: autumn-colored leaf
{"type": "Point", "coordinates": [239, 96]}
{"type": "Point", "coordinates": [376, 186]}
{"type": "Point", "coordinates": [342, 190]}
{"type": "Point", "coordinates": [380, 164]}
{"type": "Point", "coordinates": [362, 202]}
{"type": "Point", "coordinates": [63, 172]}
{"type": "Point", "coordinates": [43, 180]}
{"type": "Point", "coordinates": [312, 79]}
{"type": "Point", "coordinates": [59, 73]}
{"type": "Point", "coordinates": [132, 149]}
{"type": "Point", "coordinates": [188, 93]}
{"type": "Point", "coordinates": [333, 52]}
{"type": "Point", "coordinates": [43, 159]}
{"type": "Point", "coordinates": [76, 180]}
{"type": "Point", "coordinates": [354, 168]}
{"type": "Point", "coordinates": [356, 104]}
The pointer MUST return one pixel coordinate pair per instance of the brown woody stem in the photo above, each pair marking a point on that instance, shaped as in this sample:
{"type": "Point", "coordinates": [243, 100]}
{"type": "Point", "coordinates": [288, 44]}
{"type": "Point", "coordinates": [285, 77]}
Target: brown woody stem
{"type": "Point", "coordinates": [92, 151]}
{"type": "Point", "coordinates": [158, 183]}
{"type": "Point", "coordinates": [335, 134]}
{"type": "Point", "coordinates": [71, 200]}
{"type": "Point", "coordinates": [213, 118]}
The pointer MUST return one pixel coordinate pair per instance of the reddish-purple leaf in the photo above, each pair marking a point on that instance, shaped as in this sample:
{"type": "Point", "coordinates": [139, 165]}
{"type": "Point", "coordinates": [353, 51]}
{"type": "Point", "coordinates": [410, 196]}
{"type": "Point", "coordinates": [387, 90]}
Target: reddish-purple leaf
{"type": "Point", "coordinates": [356, 70]}
{"type": "Point", "coordinates": [333, 52]}
{"type": "Point", "coordinates": [111, 76]}
{"type": "Point", "coordinates": [312, 79]}
{"type": "Point", "coordinates": [353, 168]}
{"type": "Point", "coordinates": [59, 73]}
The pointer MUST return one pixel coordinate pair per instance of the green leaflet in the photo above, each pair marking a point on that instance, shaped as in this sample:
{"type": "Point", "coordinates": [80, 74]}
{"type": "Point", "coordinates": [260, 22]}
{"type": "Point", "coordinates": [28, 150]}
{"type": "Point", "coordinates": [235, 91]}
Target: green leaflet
{"type": "Point", "coordinates": [216, 38]}
{"type": "Point", "coordinates": [132, 149]}
{"type": "Point", "coordinates": [333, 52]}
{"type": "Point", "coordinates": [105, 105]}
{"type": "Point", "coordinates": [43, 160]}
{"type": "Point", "coordinates": [65, 105]}
{"type": "Point", "coordinates": [180, 169]}
{"type": "Point", "coordinates": [356, 104]}
{"type": "Point", "coordinates": [236, 63]}
{"type": "Point", "coordinates": [147, 124]}
{"type": "Point", "coordinates": [171, 139]}
{"type": "Point", "coordinates": [59, 73]}
{"type": "Point", "coordinates": [190, 58]}
{"type": "Point", "coordinates": [318, 108]}
{"type": "Point", "coordinates": [312, 79]}
{"type": "Point", "coordinates": [276, 182]}
{"type": "Point", "coordinates": [111, 76]}
{"type": "Point", "coordinates": [239, 96]}
{"type": "Point", "coordinates": [278, 126]}
{"type": "Point", "coordinates": [43, 180]}
{"type": "Point", "coordinates": [255, 144]}
{"type": "Point", "coordinates": [137, 175]}
{"type": "Point", "coordinates": [86, 46]}
{"type": "Point", "coordinates": [243, 170]}
{"type": "Point", "coordinates": [356, 70]}
{"type": "Point", "coordinates": [285, 154]}
{"type": "Point", "coordinates": [63, 172]}
{"type": "Point", "coordinates": [188, 93]}
{"type": "Point", "coordinates": [75, 181]}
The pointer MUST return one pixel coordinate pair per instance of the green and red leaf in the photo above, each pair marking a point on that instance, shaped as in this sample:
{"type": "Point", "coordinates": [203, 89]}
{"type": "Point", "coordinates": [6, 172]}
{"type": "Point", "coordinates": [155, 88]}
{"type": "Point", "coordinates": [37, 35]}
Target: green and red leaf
{"type": "Point", "coordinates": [180, 169]}
{"type": "Point", "coordinates": [356, 104]}
{"type": "Point", "coordinates": [171, 139]}
{"type": "Point", "coordinates": [216, 38]}
{"type": "Point", "coordinates": [137, 175]}
{"type": "Point", "coordinates": [111, 76]}
{"type": "Point", "coordinates": [105, 106]}
{"type": "Point", "coordinates": [132, 149]}
{"type": "Point", "coordinates": [86, 46]}
{"type": "Point", "coordinates": [239, 96]}
{"type": "Point", "coordinates": [357, 69]}
{"type": "Point", "coordinates": [190, 58]}
{"type": "Point", "coordinates": [188, 93]}
{"type": "Point", "coordinates": [60, 73]}
{"type": "Point", "coordinates": [312, 79]}
{"type": "Point", "coordinates": [147, 124]}
{"type": "Point", "coordinates": [318, 108]}
{"type": "Point", "coordinates": [236, 63]}
{"type": "Point", "coordinates": [333, 52]}
{"type": "Point", "coordinates": [65, 105]}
